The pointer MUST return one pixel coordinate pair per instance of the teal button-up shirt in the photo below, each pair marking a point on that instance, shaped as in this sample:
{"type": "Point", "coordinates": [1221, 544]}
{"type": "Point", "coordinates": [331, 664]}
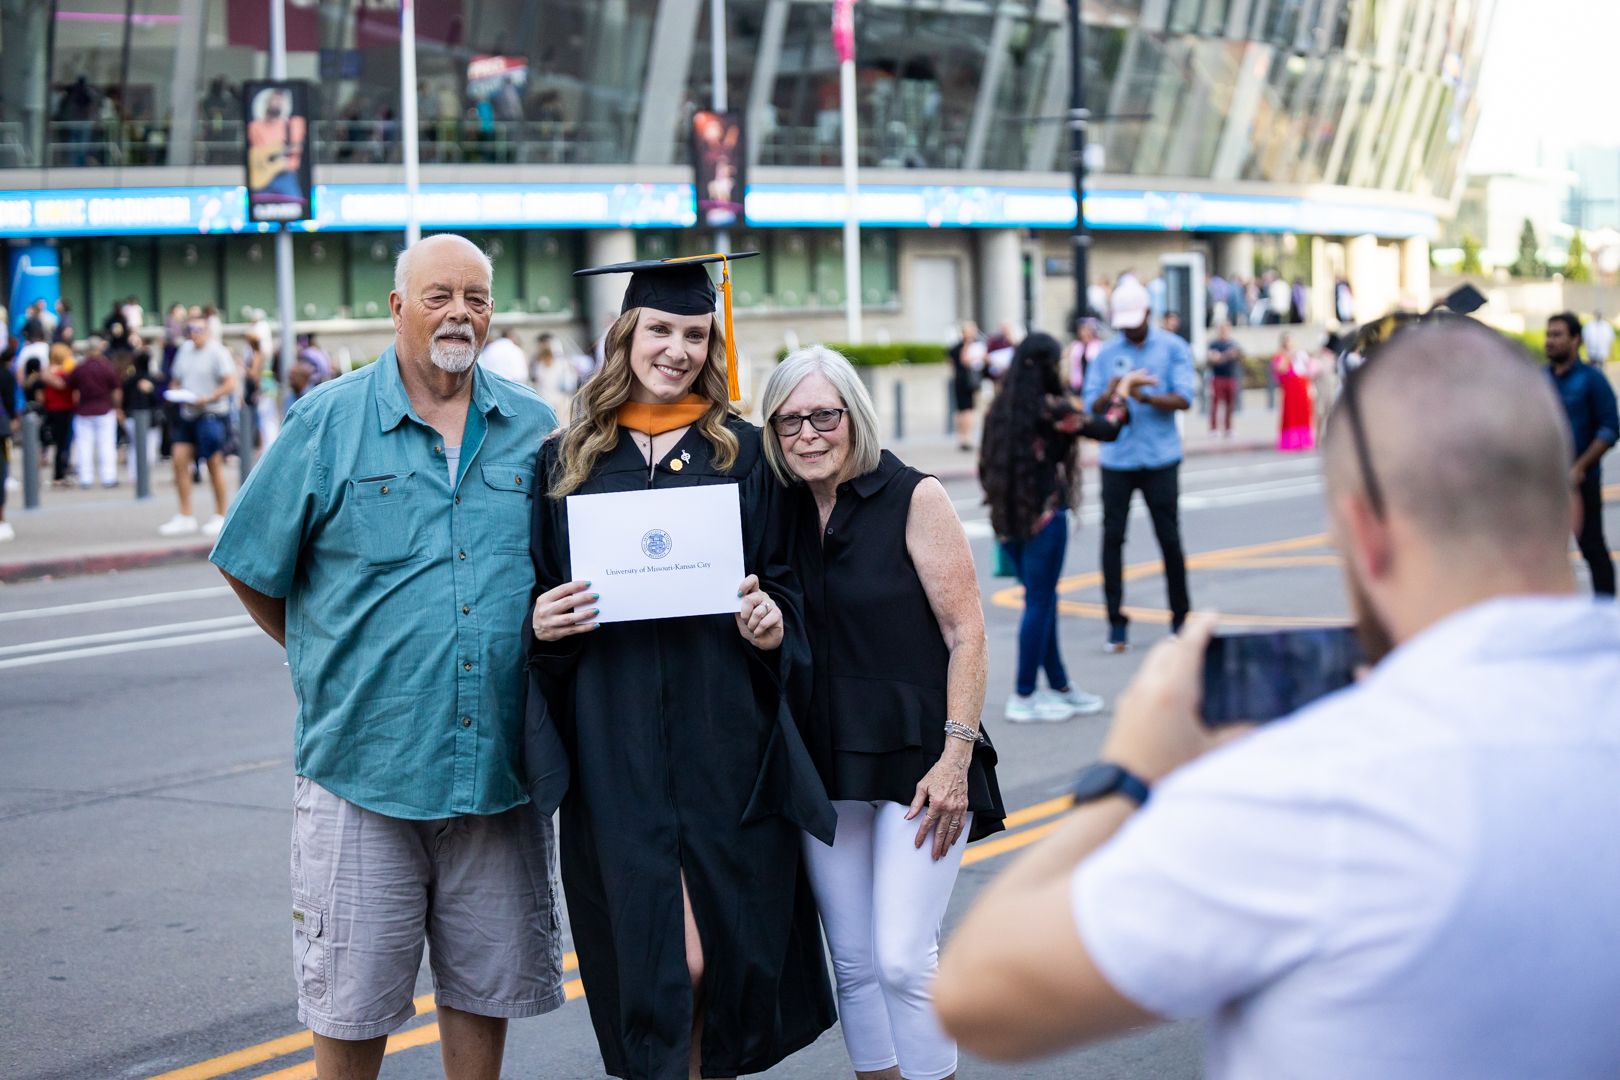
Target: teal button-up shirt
{"type": "Point", "coordinates": [406, 593]}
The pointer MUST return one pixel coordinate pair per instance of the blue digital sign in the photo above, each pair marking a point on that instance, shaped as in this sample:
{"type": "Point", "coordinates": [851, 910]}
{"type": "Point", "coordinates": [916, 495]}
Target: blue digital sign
{"type": "Point", "coordinates": [128, 210]}
{"type": "Point", "coordinates": [461, 206]}
{"type": "Point", "coordinates": [815, 205]}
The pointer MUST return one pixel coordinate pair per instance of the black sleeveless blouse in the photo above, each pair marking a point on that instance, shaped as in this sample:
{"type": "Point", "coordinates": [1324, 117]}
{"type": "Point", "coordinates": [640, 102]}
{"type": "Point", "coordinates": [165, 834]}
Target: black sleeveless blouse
{"type": "Point", "coordinates": [876, 721]}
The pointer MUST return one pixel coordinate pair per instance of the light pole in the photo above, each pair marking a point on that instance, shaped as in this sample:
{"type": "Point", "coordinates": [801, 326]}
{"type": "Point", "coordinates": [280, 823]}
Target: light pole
{"type": "Point", "coordinates": [407, 116]}
{"type": "Point", "coordinates": [844, 43]}
{"type": "Point", "coordinates": [284, 244]}
{"type": "Point", "coordinates": [717, 88]}
{"type": "Point", "coordinates": [1079, 117]}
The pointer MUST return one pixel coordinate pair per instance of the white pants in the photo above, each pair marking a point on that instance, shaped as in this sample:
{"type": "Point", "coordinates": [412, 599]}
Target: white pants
{"type": "Point", "coordinates": [154, 445]}
{"type": "Point", "coordinates": [95, 441]}
{"type": "Point", "coordinates": [882, 900]}
{"type": "Point", "coordinates": [269, 420]}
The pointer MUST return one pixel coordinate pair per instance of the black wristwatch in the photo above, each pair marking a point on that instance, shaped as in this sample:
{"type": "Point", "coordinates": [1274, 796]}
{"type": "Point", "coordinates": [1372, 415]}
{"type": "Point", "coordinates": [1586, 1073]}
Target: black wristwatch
{"type": "Point", "coordinates": [1101, 779]}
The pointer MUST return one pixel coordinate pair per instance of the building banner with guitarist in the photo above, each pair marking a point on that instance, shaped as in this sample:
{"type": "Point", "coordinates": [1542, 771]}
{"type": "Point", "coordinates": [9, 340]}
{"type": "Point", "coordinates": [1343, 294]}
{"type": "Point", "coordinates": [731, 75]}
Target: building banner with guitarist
{"type": "Point", "coordinates": [278, 150]}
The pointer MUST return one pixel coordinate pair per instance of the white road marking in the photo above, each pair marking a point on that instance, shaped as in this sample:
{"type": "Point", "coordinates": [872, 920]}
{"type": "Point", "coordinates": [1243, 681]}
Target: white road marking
{"type": "Point", "coordinates": [119, 602]}
{"type": "Point", "coordinates": [1288, 487]}
{"type": "Point", "coordinates": [132, 646]}
{"type": "Point", "coordinates": [126, 635]}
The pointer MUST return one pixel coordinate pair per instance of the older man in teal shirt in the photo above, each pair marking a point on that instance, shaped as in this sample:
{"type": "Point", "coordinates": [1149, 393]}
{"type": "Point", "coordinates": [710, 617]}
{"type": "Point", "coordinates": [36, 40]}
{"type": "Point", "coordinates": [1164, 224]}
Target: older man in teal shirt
{"type": "Point", "coordinates": [383, 539]}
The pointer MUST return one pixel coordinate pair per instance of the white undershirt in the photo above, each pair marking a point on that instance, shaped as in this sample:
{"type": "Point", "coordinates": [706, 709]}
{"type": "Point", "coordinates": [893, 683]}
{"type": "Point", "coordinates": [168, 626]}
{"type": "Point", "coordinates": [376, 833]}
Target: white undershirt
{"type": "Point", "coordinates": [452, 459]}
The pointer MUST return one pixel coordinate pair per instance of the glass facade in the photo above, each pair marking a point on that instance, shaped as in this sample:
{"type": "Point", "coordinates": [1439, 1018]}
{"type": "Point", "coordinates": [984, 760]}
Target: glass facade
{"type": "Point", "coordinates": [1364, 93]}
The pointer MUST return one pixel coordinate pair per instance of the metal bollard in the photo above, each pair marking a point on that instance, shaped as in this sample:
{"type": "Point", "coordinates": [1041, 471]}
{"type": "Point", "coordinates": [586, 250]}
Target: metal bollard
{"type": "Point", "coordinates": [247, 431]}
{"type": "Point", "coordinates": [30, 449]}
{"type": "Point", "coordinates": [899, 409]}
{"type": "Point", "coordinates": [950, 405]}
{"type": "Point", "coordinates": [1271, 387]}
{"type": "Point", "coordinates": [143, 467]}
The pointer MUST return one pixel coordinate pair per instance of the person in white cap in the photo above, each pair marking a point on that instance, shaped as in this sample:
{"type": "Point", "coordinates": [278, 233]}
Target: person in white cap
{"type": "Point", "coordinates": [1147, 455]}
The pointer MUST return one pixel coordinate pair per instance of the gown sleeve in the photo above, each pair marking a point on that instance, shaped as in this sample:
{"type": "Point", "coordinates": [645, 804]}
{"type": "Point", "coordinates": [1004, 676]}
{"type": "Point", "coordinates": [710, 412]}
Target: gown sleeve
{"type": "Point", "coordinates": [550, 664]}
{"type": "Point", "coordinates": [788, 782]}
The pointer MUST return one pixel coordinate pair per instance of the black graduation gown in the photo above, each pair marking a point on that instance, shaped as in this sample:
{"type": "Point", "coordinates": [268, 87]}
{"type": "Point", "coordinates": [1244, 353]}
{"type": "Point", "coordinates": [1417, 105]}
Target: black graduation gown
{"type": "Point", "coordinates": [682, 752]}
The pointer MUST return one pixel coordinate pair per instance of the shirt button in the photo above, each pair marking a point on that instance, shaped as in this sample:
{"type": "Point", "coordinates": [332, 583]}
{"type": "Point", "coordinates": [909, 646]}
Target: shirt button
{"type": "Point", "coordinates": [466, 721]}
{"type": "Point", "coordinates": [466, 666]}
{"type": "Point", "coordinates": [465, 610]}
{"type": "Point", "coordinates": [385, 489]}
{"type": "Point", "coordinates": [463, 554]}
{"type": "Point", "coordinates": [518, 480]}
{"type": "Point", "coordinates": [458, 500]}
{"type": "Point", "coordinates": [438, 450]}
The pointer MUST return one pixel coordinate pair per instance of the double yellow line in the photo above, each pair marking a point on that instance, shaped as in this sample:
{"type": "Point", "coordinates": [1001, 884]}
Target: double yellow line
{"type": "Point", "coordinates": [574, 988]}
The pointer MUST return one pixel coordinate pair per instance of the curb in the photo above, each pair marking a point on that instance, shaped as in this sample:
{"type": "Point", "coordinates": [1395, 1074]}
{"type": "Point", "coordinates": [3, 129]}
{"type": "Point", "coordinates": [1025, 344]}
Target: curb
{"type": "Point", "coordinates": [74, 566]}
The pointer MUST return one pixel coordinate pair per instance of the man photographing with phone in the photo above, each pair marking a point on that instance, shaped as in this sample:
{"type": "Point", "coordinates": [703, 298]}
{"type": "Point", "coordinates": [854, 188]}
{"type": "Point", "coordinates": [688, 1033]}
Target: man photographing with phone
{"type": "Point", "coordinates": [1413, 877]}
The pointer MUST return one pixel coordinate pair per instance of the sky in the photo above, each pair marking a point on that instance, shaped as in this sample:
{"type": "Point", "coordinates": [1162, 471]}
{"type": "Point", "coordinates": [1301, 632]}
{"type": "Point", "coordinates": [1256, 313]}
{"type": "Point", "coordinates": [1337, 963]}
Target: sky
{"type": "Point", "coordinates": [1551, 81]}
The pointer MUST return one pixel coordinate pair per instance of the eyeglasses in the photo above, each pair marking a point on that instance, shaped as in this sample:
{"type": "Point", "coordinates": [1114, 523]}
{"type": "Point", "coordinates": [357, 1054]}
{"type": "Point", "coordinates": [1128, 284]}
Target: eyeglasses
{"type": "Point", "coordinates": [822, 420]}
{"type": "Point", "coordinates": [1358, 435]}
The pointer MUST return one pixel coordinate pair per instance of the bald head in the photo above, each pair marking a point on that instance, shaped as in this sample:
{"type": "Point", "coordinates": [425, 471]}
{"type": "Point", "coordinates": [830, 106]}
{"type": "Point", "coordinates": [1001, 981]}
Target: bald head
{"type": "Point", "coordinates": [441, 304]}
{"type": "Point", "coordinates": [1467, 439]}
{"type": "Point", "coordinates": [427, 249]}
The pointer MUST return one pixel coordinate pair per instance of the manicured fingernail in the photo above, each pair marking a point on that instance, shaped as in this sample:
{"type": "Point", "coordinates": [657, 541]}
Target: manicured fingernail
{"type": "Point", "coordinates": [595, 596]}
{"type": "Point", "coordinates": [594, 611]}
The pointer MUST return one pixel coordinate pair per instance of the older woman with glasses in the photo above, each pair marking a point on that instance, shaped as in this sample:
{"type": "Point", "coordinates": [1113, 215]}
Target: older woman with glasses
{"type": "Point", "coordinates": [898, 643]}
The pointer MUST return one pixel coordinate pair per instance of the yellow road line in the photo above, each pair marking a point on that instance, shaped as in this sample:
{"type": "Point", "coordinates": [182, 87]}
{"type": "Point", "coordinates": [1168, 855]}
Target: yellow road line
{"type": "Point", "coordinates": [573, 989]}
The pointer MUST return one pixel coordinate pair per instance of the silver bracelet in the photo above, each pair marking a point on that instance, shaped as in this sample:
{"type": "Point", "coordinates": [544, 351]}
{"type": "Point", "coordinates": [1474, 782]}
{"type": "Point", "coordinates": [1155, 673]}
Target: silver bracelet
{"type": "Point", "coordinates": [957, 730]}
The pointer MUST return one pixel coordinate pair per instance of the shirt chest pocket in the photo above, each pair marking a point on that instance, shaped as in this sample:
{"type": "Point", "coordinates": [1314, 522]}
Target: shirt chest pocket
{"type": "Point", "coordinates": [387, 515]}
{"type": "Point", "coordinates": [510, 493]}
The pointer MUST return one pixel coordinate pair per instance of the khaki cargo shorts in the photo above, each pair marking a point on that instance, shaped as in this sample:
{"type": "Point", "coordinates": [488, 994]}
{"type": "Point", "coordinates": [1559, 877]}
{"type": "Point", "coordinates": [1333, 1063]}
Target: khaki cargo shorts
{"type": "Point", "coordinates": [368, 890]}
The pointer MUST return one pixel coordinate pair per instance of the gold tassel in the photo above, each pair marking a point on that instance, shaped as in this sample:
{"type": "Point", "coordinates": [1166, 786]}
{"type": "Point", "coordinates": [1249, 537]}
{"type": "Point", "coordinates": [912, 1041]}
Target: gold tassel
{"type": "Point", "coordinates": [731, 344]}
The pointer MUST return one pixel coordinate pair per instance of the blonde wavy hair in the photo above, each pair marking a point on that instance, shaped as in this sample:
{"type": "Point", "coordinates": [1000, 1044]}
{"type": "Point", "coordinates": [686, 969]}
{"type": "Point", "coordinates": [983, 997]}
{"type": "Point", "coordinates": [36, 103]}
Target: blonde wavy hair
{"type": "Point", "coordinates": [594, 429]}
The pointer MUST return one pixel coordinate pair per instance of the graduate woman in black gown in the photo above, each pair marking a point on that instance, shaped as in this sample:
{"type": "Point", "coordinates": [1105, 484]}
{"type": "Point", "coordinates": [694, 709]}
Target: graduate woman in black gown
{"type": "Point", "coordinates": [688, 783]}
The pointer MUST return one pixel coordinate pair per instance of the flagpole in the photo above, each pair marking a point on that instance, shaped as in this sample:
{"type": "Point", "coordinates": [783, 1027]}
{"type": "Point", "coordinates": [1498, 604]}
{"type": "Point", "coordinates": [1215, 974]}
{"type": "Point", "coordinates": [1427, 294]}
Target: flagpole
{"type": "Point", "coordinates": [844, 43]}
{"type": "Point", "coordinates": [285, 297]}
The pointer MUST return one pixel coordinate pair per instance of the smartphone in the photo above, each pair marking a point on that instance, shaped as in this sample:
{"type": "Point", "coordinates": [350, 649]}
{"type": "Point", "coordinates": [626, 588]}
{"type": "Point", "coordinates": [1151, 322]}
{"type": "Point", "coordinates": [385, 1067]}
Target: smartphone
{"type": "Point", "coordinates": [1260, 677]}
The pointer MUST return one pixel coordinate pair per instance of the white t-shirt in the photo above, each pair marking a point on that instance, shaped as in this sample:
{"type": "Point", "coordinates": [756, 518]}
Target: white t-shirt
{"type": "Point", "coordinates": [201, 371]}
{"type": "Point", "coordinates": [1599, 337]}
{"type": "Point", "coordinates": [452, 462]}
{"type": "Point", "coordinates": [504, 357]}
{"type": "Point", "coordinates": [1416, 877]}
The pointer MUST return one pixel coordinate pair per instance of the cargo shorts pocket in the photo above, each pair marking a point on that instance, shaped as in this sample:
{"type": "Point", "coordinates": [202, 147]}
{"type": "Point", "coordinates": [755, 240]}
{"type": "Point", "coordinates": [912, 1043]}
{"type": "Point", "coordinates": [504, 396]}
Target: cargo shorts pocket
{"type": "Point", "coordinates": [312, 949]}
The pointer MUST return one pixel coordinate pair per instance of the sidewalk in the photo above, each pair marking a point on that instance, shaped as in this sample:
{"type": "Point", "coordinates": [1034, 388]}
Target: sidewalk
{"type": "Point", "coordinates": [100, 530]}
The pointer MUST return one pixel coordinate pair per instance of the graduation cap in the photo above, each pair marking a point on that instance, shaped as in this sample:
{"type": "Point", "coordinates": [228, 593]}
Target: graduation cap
{"type": "Point", "coordinates": [680, 287]}
{"type": "Point", "coordinates": [1464, 300]}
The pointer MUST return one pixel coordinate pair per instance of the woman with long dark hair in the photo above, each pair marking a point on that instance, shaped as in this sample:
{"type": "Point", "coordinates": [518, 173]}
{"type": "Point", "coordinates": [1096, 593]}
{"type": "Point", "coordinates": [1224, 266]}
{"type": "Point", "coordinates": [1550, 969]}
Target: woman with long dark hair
{"type": "Point", "coordinates": [688, 782]}
{"type": "Point", "coordinates": [1030, 470]}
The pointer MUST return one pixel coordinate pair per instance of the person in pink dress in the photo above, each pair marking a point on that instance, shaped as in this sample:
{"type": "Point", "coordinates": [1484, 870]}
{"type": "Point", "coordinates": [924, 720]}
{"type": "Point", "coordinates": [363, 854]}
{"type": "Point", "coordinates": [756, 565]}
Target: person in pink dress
{"type": "Point", "coordinates": [1293, 368]}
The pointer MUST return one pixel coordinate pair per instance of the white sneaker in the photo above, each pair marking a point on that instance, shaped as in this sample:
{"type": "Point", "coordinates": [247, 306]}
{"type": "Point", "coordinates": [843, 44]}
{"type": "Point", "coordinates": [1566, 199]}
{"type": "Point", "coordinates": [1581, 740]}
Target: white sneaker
{"type": "Point", "coordinates": [179, 525]}
{"type": "Point", "coordinates": [212, 526]}
{"type": "Point", "coordinates": [7, 532]}
{"type": "Point", "coordinates": [1037, 709]}
{"type": "Point", "coordinates": [1083, 703]}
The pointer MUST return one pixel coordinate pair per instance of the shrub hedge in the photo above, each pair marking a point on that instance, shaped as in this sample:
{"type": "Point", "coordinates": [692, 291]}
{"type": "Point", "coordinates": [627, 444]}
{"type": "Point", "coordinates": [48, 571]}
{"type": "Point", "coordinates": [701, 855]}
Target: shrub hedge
{"type": "Point", "coordinates": [900, 352]}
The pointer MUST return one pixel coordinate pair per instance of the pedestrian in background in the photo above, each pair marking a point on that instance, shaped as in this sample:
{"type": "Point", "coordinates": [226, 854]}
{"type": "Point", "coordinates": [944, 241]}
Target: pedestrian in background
{"type": "Point", "coordinates": [205, 374]}
{"type": "Point", "coordinates": [96, 393]}
{"type": "Point", "coordinates": [899, 654]}
{"type": "Point", "coordinates": [57, 398]}
{"type": "Point", "coordinates": [504, 357]}
{"type": "Point", "coordinates": [64, 321]}
{"type": "Point", "coordinates": [554, 377]}
{"type": "Point", "coordinates": [1030, 471]}
{"type": "Point", "coordinates": [402, 608]}
{"type": "Point", "coordinates": [1082, 352]}
{"type": "Point", "coordinates": [1296, 421]}
{"type": "Point", "coordinates": [1147, 455]}
{"type": "Point", "coordinates": [967, 373]}
{"type": "Point", "coordinates": [1599, 338]}
{"type": "Point", "coordinates": [1225, 366]}
{"type": "Point", "coordinates": [9, 422]}
{"type": "Point", "coordinates": [1412, 878]}
{"type": "Point", "coordinates": [141, 393]}
{"type": "Point", "coordinates": [1594, 428]}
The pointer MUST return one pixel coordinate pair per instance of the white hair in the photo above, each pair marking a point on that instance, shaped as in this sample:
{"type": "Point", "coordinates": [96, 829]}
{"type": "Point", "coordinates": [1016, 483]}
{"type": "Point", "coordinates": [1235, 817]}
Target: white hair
{"type": "Point", "coordinates": [865, 447]}
{"type": "Point", "coordinates": [402, 264]}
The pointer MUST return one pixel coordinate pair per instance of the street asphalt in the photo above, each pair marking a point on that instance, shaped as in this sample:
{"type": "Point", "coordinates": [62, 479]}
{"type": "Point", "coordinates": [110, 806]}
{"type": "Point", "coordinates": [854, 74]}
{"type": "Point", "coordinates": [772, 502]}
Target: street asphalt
{"type": "Point", "coordinates": [146, 786]}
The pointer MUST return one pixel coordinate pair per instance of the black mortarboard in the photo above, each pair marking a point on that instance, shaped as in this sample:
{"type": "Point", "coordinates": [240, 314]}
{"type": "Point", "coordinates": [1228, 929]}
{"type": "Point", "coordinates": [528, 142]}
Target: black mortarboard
{"type": "Point", "coordinates": [1464, 300]}
{"type": "Point", "coordinates": [680, 287]}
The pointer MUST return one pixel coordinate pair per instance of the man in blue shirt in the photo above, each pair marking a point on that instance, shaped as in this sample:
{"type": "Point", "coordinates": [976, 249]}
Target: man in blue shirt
{"type": "Point", "coordinates": [383, 539]}
{"type": "Point", "coordinates": [1147, 455]}
{"type": "Point", "coordinates": [1593, 422]}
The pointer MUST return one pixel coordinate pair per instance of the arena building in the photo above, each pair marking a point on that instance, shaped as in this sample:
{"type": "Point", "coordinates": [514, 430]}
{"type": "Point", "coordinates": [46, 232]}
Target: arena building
{"type": "Point", "coordinates": [1323, 139]}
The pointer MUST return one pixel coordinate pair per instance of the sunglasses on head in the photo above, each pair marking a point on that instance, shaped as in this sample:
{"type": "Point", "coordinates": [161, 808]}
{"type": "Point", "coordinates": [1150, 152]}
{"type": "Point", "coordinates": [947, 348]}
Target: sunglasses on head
{"type": "Point", "coordinates": [822, 420]}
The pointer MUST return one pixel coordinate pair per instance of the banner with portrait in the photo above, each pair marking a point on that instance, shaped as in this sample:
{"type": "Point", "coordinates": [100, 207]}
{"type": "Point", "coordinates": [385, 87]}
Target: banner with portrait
{"type": "Point", "coordinates": [718, 156]}
{"type": "Point", "coordinates": [276, 120]}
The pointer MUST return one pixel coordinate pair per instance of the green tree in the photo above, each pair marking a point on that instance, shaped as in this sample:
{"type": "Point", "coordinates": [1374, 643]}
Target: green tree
{"type": "Point", "coordinates": [1575, 268]}
{"type": "Point", "coordinates": [1470, 259]}
{"type": "Point", "coordinates": [1529, 263]}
